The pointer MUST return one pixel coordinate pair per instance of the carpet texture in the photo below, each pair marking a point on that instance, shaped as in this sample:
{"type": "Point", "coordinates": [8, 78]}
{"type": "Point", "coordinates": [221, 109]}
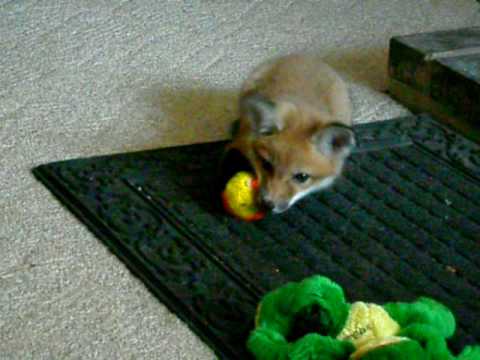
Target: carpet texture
{"type": "Point", "coordinates": [82, 78]}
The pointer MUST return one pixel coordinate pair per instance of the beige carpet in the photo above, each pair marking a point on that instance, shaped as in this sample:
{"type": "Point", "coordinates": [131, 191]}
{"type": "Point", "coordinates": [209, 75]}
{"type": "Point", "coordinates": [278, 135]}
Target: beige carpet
{"type": "Point", "coordinates": [81, 78]}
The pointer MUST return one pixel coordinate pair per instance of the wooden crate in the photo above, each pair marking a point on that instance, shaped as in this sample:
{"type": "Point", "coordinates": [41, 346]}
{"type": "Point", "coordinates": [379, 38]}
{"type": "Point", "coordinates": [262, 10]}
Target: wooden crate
{"type": "Point", "coordinates": [439, 73]}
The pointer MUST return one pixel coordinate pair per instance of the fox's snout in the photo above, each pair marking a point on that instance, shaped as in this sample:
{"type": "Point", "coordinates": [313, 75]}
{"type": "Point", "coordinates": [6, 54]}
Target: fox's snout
{"type": "Point", "coordinates": [270, 203]}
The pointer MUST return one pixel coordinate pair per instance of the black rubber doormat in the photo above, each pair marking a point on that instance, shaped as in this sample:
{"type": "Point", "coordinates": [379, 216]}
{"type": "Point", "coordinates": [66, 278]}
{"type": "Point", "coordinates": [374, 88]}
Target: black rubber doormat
{"type": "Point", "coordinates": [404, 221]}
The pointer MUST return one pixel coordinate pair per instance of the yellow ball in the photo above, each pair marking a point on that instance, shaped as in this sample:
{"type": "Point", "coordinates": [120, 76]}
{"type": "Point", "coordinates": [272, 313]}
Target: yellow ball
{"type": "Point", "coordinates": [239, 197]}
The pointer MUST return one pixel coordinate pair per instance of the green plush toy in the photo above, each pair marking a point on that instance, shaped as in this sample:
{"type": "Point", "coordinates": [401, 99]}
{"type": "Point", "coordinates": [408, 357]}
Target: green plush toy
{"type": "Point", "coordinates": [311, 320]}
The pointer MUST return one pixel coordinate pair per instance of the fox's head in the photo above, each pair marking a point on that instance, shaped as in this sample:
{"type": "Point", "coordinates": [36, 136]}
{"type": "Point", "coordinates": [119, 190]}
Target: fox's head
{"type": "Point", "coordinates": [293, 154]}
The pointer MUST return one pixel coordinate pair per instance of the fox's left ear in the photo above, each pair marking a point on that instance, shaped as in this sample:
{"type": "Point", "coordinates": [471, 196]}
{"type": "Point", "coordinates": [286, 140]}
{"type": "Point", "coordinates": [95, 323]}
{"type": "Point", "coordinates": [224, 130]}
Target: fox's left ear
{"type": "Point", "coordinates": [261, 112]}
{"type": "Point", "coordinates": [335, 140]}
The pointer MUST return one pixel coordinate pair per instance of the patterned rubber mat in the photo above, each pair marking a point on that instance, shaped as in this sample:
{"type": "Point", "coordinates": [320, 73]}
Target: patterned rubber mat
{"type": "Point", "coordinates": [402, 222]}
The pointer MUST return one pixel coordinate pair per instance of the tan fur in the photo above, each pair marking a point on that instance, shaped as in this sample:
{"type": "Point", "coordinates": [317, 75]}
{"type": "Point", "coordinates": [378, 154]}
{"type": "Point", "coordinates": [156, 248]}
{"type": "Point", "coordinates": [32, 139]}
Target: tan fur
{"type": "Point", "coordinates": [308, 95]}
{"type": "Point", "coordinates": [305, 81]}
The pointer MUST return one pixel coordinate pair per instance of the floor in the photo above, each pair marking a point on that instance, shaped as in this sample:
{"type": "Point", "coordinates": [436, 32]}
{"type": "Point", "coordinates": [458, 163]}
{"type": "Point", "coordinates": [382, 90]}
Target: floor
{"type": "Point", "coordinates": [81, 78]}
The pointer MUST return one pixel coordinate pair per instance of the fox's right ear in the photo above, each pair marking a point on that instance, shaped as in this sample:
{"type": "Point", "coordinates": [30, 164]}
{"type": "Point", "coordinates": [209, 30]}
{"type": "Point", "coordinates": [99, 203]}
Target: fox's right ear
{"type": "Point", "coordinates": [335, 140]}
{"type": "Point", "coordinates": [261, 112]}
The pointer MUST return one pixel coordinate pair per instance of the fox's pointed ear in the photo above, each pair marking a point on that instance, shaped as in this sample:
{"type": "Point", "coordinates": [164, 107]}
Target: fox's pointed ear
{"type": "Point", "coordinates": [334, 140]}
{"type": "Point", "coordinates": [261, 113]}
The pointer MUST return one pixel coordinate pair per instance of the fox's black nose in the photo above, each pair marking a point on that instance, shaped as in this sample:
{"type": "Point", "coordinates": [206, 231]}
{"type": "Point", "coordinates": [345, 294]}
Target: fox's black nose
{"type": "Point", "coordinates": [265, 202]}
{"type": "Point", "coordinates": [268, 204]}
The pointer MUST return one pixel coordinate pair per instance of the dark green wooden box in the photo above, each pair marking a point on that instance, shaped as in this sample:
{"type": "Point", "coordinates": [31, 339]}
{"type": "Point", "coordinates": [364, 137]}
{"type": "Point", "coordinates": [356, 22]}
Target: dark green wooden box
{"type": "Point", "coordinates": [439, 73]}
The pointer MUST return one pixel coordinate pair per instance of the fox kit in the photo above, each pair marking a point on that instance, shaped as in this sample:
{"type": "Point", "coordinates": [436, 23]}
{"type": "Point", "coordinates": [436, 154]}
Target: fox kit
{"type": "Point", "coordinates": [294, 128]}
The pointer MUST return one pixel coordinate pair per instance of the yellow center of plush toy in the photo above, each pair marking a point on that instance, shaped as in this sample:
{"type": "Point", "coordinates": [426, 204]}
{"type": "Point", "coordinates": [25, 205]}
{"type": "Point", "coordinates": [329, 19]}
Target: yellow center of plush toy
{"type": "Point", "coordinates": [240, 195]}
{"type": "Point", "coordinates": [369, 326]}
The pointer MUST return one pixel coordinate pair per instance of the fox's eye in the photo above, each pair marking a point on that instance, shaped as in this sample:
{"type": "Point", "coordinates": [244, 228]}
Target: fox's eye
{"type": "Point", "coordinates": [264, 157]}
{"type": "Point", "coordinates": [301, 177]}
{"type": "Point", "coordinates": [267, 165]}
